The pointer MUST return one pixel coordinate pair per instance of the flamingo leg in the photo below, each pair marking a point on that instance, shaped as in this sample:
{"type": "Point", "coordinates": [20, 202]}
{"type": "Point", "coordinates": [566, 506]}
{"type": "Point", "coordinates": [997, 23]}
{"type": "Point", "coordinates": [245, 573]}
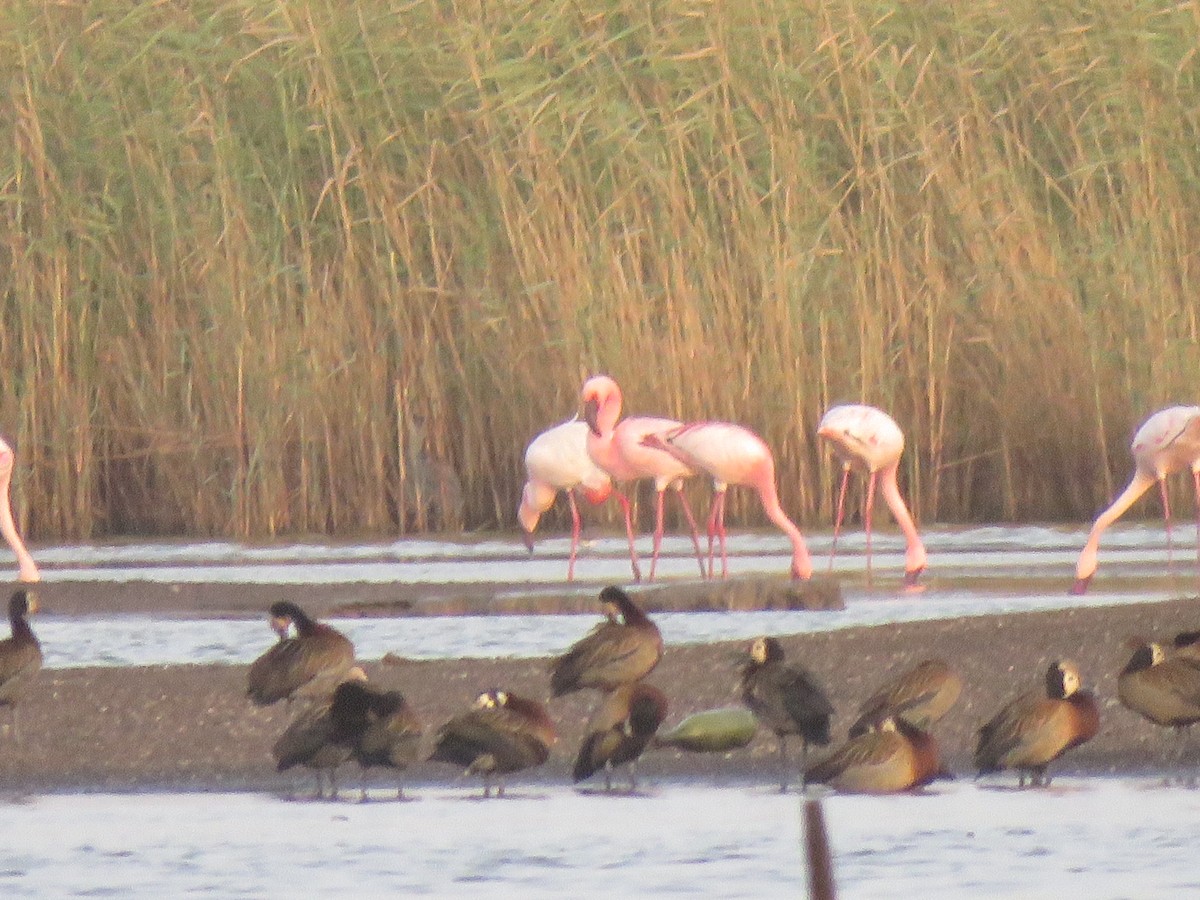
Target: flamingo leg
{"type": "Point", "coordinates": [841, 509]}
{"type": "Point", "coordinates": [633, 560]}
{"type": "Point", "coordinates": [658, 533]}
{"type": "Point", "coordinates": [870, 509]}
{"type": "Point", "coordinates": [574, 534]}
{"type": "Point", "coordinates": [691, 520]}
{"type": "Point", "coordinates": [1196, 479]}
{"type": "Point", "coordinates": [1162, 490]}
{"type": "Point", "coordinates": [720, 499]}
{"type": "Point", "coordinates": [712, 528]}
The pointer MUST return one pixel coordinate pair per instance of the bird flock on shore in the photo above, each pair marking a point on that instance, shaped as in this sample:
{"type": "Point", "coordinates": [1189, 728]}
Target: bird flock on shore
{"type": "Point", "coordinates": [889, 746]}
{"type": "Point", "coordinates": [342, 717]}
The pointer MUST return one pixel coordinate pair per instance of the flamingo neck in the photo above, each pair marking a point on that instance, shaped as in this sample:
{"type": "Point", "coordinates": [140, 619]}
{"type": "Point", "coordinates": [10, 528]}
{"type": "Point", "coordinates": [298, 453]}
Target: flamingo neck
{"type": "Point", "coordinates": [26, 566]}
{"type": "Point", "coordinates": [801, 561]}
{"type": "Point", "coordinates": [1085, 568]}
{"type": "Point", "coordinates": [914, 553]}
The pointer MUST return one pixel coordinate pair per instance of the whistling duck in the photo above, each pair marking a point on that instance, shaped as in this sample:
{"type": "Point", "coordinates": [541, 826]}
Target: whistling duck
{"type": "Point", "coordinates": [319, 740]}
{"type": "Point", "coordinates": [1164, 689]}
{"type": "Point", "coordinates": [619, 731]}
{"type": "Point", "coordinates": [920, 696]}
{"type": "Point", "coordinates": [711, 731]}
{"type": "Point", "coordinates": [20, 653]}
{"type": "Point", "coordinates": [502, 733]}
{"type": "Point", "coordinates": [893, 756]}
{"type": "Point", "coordinates": [311, 664]}
{"type": "Point", "coordinates": [387, 732]}
{"type": "Point", "coordinates": [785, 698]}
{"type": "Point", "coordinates": [623, 648]}
{"type": "Point", "coordinates": [1039, 726]}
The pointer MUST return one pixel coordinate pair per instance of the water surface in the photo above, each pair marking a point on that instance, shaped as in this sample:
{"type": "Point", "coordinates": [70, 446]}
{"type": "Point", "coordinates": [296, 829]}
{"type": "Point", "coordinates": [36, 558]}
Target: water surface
{"type": "Point", "coordinates": [1095, 838]}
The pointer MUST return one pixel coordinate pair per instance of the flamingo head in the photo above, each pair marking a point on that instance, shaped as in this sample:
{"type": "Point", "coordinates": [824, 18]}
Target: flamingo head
{"type": "Point", "coordinates": [600, 393]}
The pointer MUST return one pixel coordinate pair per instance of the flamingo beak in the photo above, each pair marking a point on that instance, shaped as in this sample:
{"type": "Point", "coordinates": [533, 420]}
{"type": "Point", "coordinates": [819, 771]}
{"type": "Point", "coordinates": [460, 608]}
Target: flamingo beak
{"type": "Point", "coordinates": [527, 537]}
{"type": "Point", "coordinates": [1079, 588]}
{"type": "Point", "coordinates": [910, 581]}
{"type": "Point", "coordinates": [591, 410]}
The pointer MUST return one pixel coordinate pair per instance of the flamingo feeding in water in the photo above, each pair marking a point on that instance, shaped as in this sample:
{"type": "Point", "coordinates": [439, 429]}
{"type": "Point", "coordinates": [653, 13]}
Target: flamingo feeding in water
{"type": "Point", "coordinates": [1168, 442]}
{"type": "Point", "coordinates": [557, 460]}
{"type": "Point", "coordinates": [731, 454]}
{"type": "Point", "coordinates": [617, 448]}
{"type": "Point", "coordinates": [868, 439]}
{"type": "Point", "coordinates": [25, 564]}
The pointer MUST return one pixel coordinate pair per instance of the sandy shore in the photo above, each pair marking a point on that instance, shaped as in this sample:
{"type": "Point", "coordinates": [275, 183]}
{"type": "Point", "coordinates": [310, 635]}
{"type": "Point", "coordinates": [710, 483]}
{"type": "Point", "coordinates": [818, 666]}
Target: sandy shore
{"type": "Point", "coordinates": [190, 727]}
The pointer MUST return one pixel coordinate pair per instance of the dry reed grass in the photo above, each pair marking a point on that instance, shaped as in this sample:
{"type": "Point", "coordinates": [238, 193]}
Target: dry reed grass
{"type": "Point", "coordinates": [248, 243]}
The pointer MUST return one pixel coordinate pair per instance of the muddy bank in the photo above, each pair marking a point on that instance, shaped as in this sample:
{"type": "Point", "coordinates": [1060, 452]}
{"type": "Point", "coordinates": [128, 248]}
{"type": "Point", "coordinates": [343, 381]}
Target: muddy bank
{"type": "Point", "coordinates": [224, 599]}
{"type": "Point", "coordinates": [191, 726]}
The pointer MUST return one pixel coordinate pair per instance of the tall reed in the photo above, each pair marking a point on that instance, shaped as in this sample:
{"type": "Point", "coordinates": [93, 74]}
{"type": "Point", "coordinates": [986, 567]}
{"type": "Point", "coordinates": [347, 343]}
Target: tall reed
{"type": "Point", "coordinates": [270, 264]}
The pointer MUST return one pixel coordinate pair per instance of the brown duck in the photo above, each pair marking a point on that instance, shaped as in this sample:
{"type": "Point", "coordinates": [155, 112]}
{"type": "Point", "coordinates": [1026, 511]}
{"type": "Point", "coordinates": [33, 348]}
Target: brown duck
{"type": "Point", "coordinates": [502, 733]}
{"type": "Point", "coordinates": [320, 740]}
{"type": "Point", "coordinates": [386, 731]}
{"type": "Point", "coordinates": [1040, 726]}
{"type": "Point", "coordinates": [892, 756]}
{"type": "Point", "coordinates": [20, 653]}
{"type": "Point", "coordinates": [311, 664]}
{"type": "Point", "coordinates": [1163, 688]}
{"type": "Point", "coordinates": [624, 647]}
{"type": "Point", "coordinates": [785, 698]}
{"type": "Point", "coordinates": [620, 730]}
{"type": "Point", "coordinates": [921, 696]}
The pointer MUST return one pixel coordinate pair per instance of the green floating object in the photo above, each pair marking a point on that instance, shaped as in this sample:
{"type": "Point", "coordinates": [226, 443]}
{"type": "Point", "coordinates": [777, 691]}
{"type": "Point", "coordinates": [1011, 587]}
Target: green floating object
{"type": "Point", "coordinates": [712, 731]}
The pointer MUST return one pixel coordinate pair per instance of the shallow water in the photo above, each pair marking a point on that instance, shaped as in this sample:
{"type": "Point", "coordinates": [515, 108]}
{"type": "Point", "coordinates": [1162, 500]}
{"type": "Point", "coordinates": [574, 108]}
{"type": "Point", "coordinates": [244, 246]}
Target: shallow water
{"type": "Point", "coordinates": [1083, 837]}
{"type": "Point", "coordinates": [957, 556]}
{"type": "Point", "coordinates": [145, 640]}
{"type": "Point", "coordinates": [1097, 838]}
{"type": "Point", "coordinates": [974, 571]}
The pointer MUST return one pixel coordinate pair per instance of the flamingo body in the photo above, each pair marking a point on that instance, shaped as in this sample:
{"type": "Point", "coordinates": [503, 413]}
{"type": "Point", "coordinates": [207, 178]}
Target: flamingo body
{"type": "Point", "coordinates": [27, 568]}
{"type": "Point", "coordinates": [868, 440]}
{"type": "Point", "coordinates": [617, 446]}
{"type": "Point", "coordinates": [557, 460]}
{"type": "Point", "coordinates": [733, 455]}
{"type": "Point", "coordinates": [1168, 442]}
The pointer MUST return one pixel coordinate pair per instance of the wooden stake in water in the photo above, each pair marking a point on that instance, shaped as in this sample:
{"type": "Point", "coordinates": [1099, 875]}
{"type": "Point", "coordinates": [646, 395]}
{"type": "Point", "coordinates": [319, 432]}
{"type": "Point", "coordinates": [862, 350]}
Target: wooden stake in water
{"type": "Point", "coordinates": [816, 848]}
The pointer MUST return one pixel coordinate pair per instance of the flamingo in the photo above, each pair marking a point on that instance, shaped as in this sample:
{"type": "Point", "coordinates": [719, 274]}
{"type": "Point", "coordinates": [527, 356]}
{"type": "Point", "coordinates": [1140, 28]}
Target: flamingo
{"type": "Point", "coordinates": [1168, 442]}
{"type": "Point", "coordinates": [868, 439]}
{"type": "Point", "coordinates": [731, 454]}
{"type": "Point", "coordinates": [26, 566]}
{"type": "Point", "coordinates": [557, 460]}
{"type": "Point", "coordinates": [617, 448]}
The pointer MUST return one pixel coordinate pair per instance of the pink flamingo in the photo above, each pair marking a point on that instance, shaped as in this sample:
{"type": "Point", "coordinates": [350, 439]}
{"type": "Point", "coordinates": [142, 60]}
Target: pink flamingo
{"type": "Point", "coordinates": [868, 439]}
{"type": "Point", "coordinates": [731, 454]}
{"type": "Point", "coordinates": [28, 569]}
{"type": "Point", "coordinates": [1168, 442]}
{"type": "Point", "coordinates": [557, 460]}
{"type": "Point", "coordinates": [616, 447]}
